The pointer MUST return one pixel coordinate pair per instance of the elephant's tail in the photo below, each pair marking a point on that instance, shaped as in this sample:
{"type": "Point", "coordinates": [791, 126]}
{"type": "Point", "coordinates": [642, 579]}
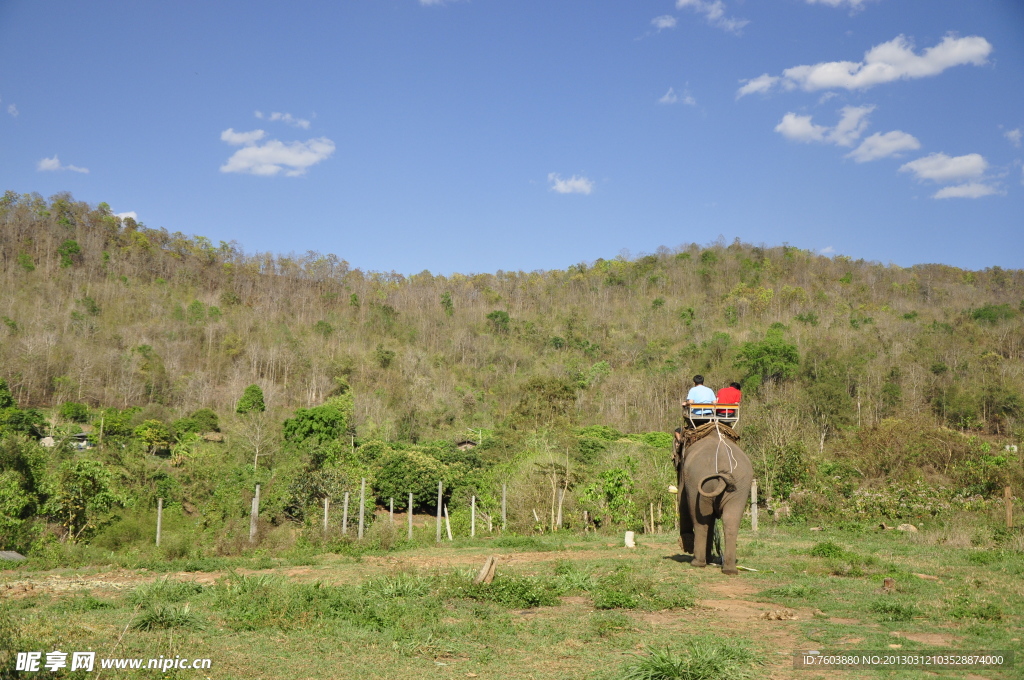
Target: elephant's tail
{"type": "Point", "coordinates": [726, 482]}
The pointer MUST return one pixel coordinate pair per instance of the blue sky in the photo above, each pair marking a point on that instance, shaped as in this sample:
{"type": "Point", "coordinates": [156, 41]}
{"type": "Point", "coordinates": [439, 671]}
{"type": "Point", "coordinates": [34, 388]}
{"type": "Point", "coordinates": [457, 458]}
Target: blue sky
{"type": "Point", "coordinates": [478, 135]}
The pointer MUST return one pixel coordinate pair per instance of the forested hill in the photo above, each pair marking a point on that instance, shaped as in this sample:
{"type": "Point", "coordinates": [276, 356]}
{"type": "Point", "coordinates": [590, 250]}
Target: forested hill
{"type": "Point", "coordinates": [108, 312]}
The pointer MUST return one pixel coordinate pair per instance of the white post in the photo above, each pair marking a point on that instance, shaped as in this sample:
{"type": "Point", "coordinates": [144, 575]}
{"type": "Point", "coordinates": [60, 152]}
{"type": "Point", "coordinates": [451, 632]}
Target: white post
{"type": "Point", "coordinates": [392, 511]}
{"type": "Point", "coordinates": [448, 523]}
{"type": "Point", "coordinates": [327, 504]}
{"type": "Point", "coordinates": [159, 519]}
{"type": "Point", "coordinates": [753, 505]}
{"type": "Point", "coordinates": [472, 517]}
{"type": "Point", "coordinates": [439, 510]}
{"type": "Point", "coordinates": [254, 514]}
{"type": "Point", "coordinates": [362, 506]}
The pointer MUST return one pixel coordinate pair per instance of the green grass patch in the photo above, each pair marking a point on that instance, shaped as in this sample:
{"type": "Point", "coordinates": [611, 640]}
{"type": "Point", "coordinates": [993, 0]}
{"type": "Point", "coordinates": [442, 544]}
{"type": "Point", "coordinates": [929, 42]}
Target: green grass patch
{"type": "Point", "coordinates": [704, 658]}
{"type": "Point", "coordinates": [889, 610]}
{"type": "Point", "coordinates": [168, 616]}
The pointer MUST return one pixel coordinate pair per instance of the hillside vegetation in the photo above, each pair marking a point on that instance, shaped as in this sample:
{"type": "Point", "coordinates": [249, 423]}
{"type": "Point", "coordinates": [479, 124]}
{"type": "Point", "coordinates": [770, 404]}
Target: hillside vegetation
{"type": "Point", "coordinates": [856, 375]}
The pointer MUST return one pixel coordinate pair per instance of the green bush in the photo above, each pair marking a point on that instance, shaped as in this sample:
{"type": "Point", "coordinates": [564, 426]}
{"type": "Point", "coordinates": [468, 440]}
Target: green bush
{"type": "Point", "coordinates": [73, 412]}
{"type": "Point", "coordinates": [603, 432]}
{"type": "Point", "coordinates": [402, 472]}
{"type": "Point", "coordinates": [992, 314]}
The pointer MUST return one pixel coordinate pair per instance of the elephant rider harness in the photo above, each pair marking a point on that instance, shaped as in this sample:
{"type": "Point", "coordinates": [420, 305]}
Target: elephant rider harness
{"type": "Point", "coordinates": [690, 436]}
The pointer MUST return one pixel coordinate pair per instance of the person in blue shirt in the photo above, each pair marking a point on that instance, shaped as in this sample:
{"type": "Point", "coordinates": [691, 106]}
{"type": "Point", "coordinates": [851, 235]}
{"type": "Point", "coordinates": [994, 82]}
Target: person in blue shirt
{"type": "Point", "coordinates": [700, 394]}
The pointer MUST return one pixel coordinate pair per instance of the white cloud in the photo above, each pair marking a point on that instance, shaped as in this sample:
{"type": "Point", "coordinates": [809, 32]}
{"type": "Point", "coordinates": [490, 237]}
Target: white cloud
{"type": "Point", "coordinates": [884, 63]}
{"type": "Point", "coordinates": [54, 164]}
{"type": "Point", "coordinates": [1014, 136]}
{"type": "Point", "coordinates": [827, 250]}
{"type": "Point", "coordinates": [284, 118]}
{"type": "Point", "coordinates": [881, 145]}
{"type": "Point", "coordinates": [239, 138]}
{"type": "Point", "coordinates": [13, 110]}
{"type": "Point", "coordinates": [573, 185]}
{"type": "Point", "coordinates": [664, 21]}
{"type": "Point", "coordinates": [851, 125]}
{"type": "Point", "coordinates": [125, 215]}
{"type": "Point", "coordinates": [800, 129]}
{"type": "Point", "coordinates": [671, 97]}
{"type": "Point", "coordinates": [714, 12]}
{"type": "Point", "coordinates": [762, 83]}
{"type": "Point", "coordinates": [939, 167]}
{"type": "Point", "coordinates": [854, 4]}
{"type": "Point", "coordinates": [274, 156]}
{"type": "Point", "coordinates": [969, 190]}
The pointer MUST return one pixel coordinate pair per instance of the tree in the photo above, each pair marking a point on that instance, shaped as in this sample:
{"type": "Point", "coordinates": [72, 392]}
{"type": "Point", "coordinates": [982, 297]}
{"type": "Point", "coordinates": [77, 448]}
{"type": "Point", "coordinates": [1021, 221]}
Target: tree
{"type": "Point", "coordinates": [317, 426]}
{"type": "Point", "coordinates": [499, 321]}
{"type": "Point", "coordinates": [67, 251]}
{"type": "Point", "coordinates": [154, 435]}
{"type": "Point", "coordinates": [252, 400]}
{"type": "Point", "coordinates": [401, 472]}
{"type": "Point", "coordinates": [770, 360]}
{"type": "Point", "coordinates": [73, 412]}
{"type": "Point", "coordinates": [6, 398]}
{"type": "Point", "coordinates": [84, 494]}
{"type": "Point", "coordinates": [446, 303]}
{"type": "Point", "coordinates": [257, 430]}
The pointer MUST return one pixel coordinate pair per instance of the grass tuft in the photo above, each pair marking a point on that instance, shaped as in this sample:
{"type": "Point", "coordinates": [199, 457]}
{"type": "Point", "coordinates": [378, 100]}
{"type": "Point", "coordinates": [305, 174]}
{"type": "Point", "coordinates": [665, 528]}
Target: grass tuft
{"type": "Point", "coordinates": [164, 590]}
{"type": "Point", "coordinates": [398, 585]}
{"type": "Point", "coordinates": [705, 658]}
{"type": "Point", "coordinates": [893, 610]}
{"type": "Point", "coordinates": [168, 616]}
{"type": "Point", "coordinates": [829, 550]}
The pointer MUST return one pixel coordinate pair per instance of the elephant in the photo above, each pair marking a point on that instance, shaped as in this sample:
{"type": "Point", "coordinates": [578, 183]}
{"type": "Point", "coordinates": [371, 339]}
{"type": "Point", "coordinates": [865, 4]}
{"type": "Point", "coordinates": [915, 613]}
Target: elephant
{"type": "Point", "coordinates": [714, 483]}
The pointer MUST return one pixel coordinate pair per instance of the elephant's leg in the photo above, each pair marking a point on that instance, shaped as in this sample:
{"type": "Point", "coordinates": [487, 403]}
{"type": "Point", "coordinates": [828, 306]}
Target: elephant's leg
{"type": "Point", "coordinates": [700, 534]}
{"type": "Point", "coordinates": [732, 513]}
{"type": "Point", "coordinates": [685, 515]}
{"type": "Point", "coordinates": [709, 550]}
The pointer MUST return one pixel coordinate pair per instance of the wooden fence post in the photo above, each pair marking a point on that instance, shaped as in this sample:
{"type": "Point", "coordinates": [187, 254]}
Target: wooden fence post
{"type": "Point", "coordinates": [327, 504]}
{"type": "Point", "coordinates": [409, 509]}
{"type": "Point", "coordinates": [362, 506]}
{"type": "Point", "coordinates": [1008, 498]}
{"type": "Point", "coordinates": [344, 515]}
{"type": "Point", "coordinates": [753, 505]}
{"type": "Point", "coordinates": [504, 507]}
{"type": "Point", "coordinates": [472, 517]}
{"type": "Point", "coordinates": [159, 519]}
{"type": "Point", "coordinates": [255, 513]}
{"type": "Point", "coordinates": [439, 510]}
{"type": "Point", "coordinates": [448, 523]}
{"type": "Point", "coordinates": [392, 510]}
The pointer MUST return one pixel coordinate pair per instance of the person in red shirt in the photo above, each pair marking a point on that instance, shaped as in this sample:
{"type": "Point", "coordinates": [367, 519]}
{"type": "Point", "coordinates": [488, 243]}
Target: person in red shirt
{"type": "Point", "coordinates": [729, 395]}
